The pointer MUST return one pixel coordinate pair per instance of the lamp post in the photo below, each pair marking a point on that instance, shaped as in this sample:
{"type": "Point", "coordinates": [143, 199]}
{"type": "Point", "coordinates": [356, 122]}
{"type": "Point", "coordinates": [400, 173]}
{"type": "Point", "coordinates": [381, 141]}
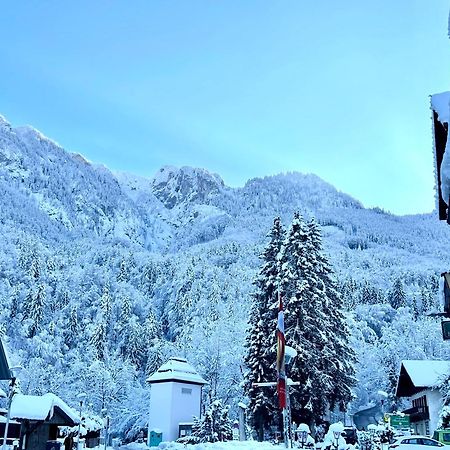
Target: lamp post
{"type": "Point", "coordinates": [12, 384]}
{"type": "Point", "coordinates": [106, 424]}
{"type": "Point", "coordinates": [81, 398]}
{"type": "Point", "coordinates": [289, 355]}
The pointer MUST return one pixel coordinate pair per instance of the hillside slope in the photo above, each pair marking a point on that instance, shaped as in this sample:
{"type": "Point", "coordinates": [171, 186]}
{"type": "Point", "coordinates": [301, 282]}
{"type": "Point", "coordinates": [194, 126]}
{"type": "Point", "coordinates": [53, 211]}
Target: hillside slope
{"type": "Point", "coordinates": [104, 275]}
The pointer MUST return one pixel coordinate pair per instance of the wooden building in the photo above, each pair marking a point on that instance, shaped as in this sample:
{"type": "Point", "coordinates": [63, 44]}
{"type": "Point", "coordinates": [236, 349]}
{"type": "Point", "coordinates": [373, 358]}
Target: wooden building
{"type": "Point", "coordinates": [40, 417]}
{"type": "Point", "coordinates": [419, 381]}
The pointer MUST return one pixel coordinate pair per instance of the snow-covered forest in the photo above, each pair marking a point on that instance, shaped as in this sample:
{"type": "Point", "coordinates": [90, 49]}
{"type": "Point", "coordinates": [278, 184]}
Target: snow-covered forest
{"type": "Point", "coordinates": [104, 275]}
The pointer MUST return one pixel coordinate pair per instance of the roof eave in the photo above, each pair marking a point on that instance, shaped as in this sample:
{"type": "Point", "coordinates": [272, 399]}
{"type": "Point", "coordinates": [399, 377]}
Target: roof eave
{"type": "Point", "coordinates": [176, 380]}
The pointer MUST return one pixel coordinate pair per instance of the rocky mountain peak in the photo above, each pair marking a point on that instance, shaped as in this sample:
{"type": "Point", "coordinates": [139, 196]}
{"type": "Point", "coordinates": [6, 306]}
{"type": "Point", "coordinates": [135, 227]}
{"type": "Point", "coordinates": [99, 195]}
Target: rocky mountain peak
{"type": "Point", "coordinates": [174, 185]}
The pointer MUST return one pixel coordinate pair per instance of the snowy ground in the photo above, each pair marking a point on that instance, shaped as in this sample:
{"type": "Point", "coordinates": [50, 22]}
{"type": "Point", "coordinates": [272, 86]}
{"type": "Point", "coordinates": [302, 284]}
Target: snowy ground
{"type": "Point", "coordinates": [230, 445]}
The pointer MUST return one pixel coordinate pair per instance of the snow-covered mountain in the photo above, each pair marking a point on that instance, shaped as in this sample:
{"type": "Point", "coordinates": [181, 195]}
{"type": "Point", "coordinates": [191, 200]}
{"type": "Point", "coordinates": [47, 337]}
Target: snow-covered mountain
{"type": "Point", "coordinates": [181, 207]}
{"type": "Point", "coordinates": [167, 263]}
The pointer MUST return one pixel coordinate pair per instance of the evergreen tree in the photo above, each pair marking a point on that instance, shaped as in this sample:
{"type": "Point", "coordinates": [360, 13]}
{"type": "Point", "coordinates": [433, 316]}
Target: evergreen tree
{"type": "Point", "coordinates": [397, 296]}
{"type": "Point", "coordinates": [14, 304]}
{"type": "Point", "coordinates": [36, 310]}
{"type": "Point", "coordinates": [369, 295]}
{"type": "Point", "coordinates": [136, 344]}
{"type": "Point", "coordinates": [340, 367]}
{"type": "Point", "coordinates": [260, 343]}
{"type": "Point", "coordinates": [35, 265]}
{"type": "Point", "coordinates": [63, 301]}
{"type": "Point", "coordinates": [151, 327]}
{"type": "Point", "coordinates": [123, 272]}
{"type": "Point", "coordinates": [415, 307]}
{"type": "Point", "coordinates": [304, 323]}
{"type": "Point", "coordinates": [315, 326]}
{"type": "Point", "coordinates": [72, 326]}
{"type": "Point", "coordinates": [215, 425]}
{"type": "Point", "coordinates": [225, 426]}
{"type": "Point", "coordinates": [28, 302]}
{"type": "Point", "coordinates": [347, 294]}
{"type": "Point", "coordinates": [106, 306]}
{"type": "Point", "coordinates": [155, 357]}
{"type": "Point", "coordinates": [125, 311]}
{"type": "Point", "coordinates": [427, 300]}
{"type": "Point", "coordinates": [98, 340]}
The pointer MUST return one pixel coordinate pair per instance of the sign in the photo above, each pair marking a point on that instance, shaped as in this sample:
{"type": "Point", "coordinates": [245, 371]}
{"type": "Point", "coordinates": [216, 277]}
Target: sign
{"type": "Point", "coordinates": [400, 422]}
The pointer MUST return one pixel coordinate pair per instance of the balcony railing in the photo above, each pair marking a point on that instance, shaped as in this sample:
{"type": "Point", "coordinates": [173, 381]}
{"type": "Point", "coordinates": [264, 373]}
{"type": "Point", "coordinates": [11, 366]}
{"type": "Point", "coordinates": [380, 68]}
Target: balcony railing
{"type": "Point", "coordinates": [417, 413]}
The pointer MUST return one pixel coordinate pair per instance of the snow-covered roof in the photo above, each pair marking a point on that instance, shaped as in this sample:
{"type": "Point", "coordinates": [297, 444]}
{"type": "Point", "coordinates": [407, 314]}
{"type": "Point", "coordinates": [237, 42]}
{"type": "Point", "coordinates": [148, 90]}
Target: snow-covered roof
{"type": "Point", "coordinates": [427, 373]}
{"type": "Point", "coordinates": [176, 369]}
{"type": "Point", "coordinates": [440, 104]}
{"type": "Point", "coordinates": [33, 407]}
{"type": "Point", "coordinates": [420, 374]}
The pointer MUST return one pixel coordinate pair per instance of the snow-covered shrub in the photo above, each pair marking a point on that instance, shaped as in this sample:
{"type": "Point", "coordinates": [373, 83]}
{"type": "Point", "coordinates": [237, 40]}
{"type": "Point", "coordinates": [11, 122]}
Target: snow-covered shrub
{"type": "Point", "coordinates": [214, 426]}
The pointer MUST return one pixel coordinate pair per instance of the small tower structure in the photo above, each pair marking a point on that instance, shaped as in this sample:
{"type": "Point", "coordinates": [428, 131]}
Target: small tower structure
{"type": "Point", "coordinates": [176, 393]}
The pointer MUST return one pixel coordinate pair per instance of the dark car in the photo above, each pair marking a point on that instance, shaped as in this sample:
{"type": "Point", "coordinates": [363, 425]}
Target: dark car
{"type": "Point", "coordinates": [350, 435]}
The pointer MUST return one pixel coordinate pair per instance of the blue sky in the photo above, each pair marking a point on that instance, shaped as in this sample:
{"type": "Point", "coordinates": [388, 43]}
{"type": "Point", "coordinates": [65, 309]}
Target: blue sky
{"type": "Point", "coordinates": [242, 88]}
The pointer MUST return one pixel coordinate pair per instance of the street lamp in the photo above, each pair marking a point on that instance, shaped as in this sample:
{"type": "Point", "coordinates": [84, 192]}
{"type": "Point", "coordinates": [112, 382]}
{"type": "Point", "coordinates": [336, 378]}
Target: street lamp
{"type": "Point", "coordinates": [14, 371]}
{"type": "Point", "coordinates": [81, 398]}
{"type": "Point", "coordinates": [106, 424]}
{"type": "Point", "coordinates": [289, 355]}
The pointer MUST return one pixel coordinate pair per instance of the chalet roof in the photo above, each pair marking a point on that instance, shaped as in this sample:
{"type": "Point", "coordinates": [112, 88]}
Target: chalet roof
{"type": "Point", "coordinates": [42, 408]}
{"type": "Point", "coordinates": [417, 375]}
{"type": "Point", "coordinates": [446, 276]}
{"type": "Point", "coordinates": [440, 104]}
{"type": "Point", "coordinates": [176, 369]}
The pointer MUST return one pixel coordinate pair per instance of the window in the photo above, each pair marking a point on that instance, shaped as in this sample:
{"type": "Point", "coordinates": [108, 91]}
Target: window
{"type": "Point", "coordinates": [184, 430]}
{"type": "Point", "coordinates": [186, 391]}
{"type": "Point", "coordinates": [430, 442]}
{"type": "Point", "coordinates": [420, 402]}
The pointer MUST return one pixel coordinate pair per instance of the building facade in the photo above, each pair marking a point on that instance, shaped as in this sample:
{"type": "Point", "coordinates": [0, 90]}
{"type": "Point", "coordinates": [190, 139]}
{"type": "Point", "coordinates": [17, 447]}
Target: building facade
{"type": "Point", "coordinates": [175, 399]}
{"type": "Point", "coordinates": [418, 381]}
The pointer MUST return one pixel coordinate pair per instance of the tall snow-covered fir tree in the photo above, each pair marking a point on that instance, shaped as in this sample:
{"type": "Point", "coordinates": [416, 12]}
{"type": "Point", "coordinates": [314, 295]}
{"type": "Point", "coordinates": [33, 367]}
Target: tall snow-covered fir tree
{"type": "Point", "coordinates": [340, 367]}
{"type": "Point", "coordinates": [314, 325]}
{"type": "Point", "coordinates": [302, 293]}
{"type": "Point", "coordinates": [260, 341]}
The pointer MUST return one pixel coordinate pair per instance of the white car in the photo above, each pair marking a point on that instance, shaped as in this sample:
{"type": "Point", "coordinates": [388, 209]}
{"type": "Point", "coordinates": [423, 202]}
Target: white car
{"type": "Point", "coordinates": [414, 442]}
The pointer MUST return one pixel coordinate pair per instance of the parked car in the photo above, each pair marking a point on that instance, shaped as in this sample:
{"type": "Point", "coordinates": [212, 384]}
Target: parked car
{"type": "Point", "coordinates": [414, 442]}
{"type": "Point", "coordinates": [350, 435]}
{"type": "Point", "coordinates": [442, 436]}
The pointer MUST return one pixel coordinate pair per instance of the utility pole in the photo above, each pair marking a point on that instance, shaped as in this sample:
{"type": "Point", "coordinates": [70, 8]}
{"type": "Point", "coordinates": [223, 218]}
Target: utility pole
{"type": "Point", "coordinates": [106, 425]}
{"type": "Point", "coordinates": [12, 390]}
{"type": "Point", "coordinates": [290, 354]}
{"type": "Point", "coordinates": [81, 397]}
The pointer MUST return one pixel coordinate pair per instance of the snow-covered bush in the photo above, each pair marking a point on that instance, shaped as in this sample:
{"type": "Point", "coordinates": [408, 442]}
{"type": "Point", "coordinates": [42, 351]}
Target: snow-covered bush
{"type": "Point", "coordinates": [214, 426]}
